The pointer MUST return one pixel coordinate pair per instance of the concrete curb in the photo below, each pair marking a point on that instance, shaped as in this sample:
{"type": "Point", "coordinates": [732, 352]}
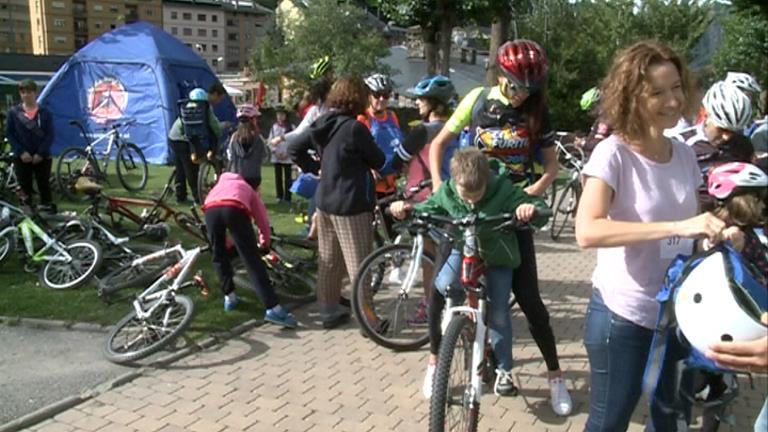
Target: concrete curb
{"type": "Point", "coordinates": [55, 408]}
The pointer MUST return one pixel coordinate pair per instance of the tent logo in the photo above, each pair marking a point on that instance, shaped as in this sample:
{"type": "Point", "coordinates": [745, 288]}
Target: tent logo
{"type": "Point", "coordinates": [107, 100]}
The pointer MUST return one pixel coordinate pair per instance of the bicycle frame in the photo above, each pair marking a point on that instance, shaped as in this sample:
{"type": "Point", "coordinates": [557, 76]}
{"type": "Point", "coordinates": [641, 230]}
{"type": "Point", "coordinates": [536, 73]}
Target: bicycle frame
{"type": "Point", "coordinates": [28, 229]}
{"type": "Point", "coordinates": [178, 273]}
{"type": "Point", "coordinates": [113, 141]}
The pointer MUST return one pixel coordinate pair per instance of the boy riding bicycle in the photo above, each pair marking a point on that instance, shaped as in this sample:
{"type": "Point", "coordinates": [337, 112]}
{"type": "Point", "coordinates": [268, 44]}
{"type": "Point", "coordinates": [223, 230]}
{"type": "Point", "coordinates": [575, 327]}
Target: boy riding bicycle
{"type": "Point", "coordinates": [474, 188]}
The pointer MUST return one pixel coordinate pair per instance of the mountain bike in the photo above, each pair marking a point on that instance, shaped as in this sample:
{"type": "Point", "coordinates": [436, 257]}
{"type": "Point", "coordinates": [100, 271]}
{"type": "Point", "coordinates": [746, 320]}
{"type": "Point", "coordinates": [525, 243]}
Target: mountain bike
{"type": "Point", "coordinates": [465, 359]}
{"type": "Point", "coordinates": [59, 264]}
{"type": "Point", "coordinates": [160, 313]}
{"type": "Point", "coordinates": [76, 162]}
{"type": "Point", "coordinates": [568, 200]}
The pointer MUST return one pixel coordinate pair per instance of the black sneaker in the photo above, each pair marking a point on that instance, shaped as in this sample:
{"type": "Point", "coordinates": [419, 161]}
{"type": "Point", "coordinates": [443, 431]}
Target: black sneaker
{"type": "Point", "coordinates": [504, 385]}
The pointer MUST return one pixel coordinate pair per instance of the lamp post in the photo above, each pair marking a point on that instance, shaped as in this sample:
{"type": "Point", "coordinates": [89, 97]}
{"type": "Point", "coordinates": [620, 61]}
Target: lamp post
{"type": "Point", "coordinates": [219, 61]}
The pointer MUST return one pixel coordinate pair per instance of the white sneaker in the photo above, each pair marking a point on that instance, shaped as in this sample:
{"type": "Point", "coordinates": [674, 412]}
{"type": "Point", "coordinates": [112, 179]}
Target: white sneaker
{"type": "Point", "coordinates": [559, 397]}
{"type": "Point", "coordinates": [429, 378]}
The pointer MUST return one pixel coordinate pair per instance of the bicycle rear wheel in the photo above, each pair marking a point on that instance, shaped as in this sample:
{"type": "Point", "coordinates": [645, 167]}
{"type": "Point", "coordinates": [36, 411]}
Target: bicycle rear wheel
{"type": "Point", "coordinates": [7, 244]}
{"type": "Point", "coordinates": [134, 338]}
{"type": "Point", "coordinates": [566, 206]}
{"type": "Point", "coordinates": [566, 162]}
{"type": "Point", "coordinates": [86, 259]}
{"type": "Point", "coordinates": [451, 407]}
{"type": "Point", "coordinates": [73, 164]}
{"type": "Point", "coordinates": [206, 178]}
{"type": "Point", "coordinates": [131, 167]}
{"type": "Point", "coordinates": [390, 314]}
{"type": "Point", "coordinates": [291, 285]}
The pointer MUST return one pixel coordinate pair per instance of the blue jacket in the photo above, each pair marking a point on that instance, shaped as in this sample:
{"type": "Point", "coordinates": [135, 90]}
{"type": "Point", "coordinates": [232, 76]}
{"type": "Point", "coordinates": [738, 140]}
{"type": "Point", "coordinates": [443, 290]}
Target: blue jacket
{"type": "Point", "coordinates": [31, 136]}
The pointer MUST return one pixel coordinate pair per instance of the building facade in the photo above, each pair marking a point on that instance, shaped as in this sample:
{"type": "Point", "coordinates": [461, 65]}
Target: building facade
{"type": "Point", "coordinates": [15, 34]}
{"type": "Point", "coordinates": [64, 26]}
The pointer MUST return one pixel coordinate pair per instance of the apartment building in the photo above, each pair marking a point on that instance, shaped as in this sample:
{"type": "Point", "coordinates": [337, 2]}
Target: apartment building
{"type": "Point", "coordinates": [15, 34]}
{"type": "Point", "coordinates": [64, 26]}
{"type": "Point", "coordinates": [223, 31]}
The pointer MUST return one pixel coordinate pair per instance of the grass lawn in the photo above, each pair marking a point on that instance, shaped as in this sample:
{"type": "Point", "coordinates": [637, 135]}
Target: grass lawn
{"type": "Point", "coordinates": [23, 296]}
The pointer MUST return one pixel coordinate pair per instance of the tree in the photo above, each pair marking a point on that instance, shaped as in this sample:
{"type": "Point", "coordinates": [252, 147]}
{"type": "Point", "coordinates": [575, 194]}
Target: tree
{"type": "Point", "coordinates": [326, 27]}
{"type": "Point", "coordinates": [745, 44]}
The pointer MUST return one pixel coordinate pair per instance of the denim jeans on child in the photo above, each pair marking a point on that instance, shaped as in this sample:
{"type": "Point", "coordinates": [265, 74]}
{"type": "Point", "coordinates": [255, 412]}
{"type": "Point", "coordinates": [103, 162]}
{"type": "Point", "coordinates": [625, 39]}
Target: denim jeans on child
{"type": "Point", "coordinates": [499, 285]}
{"type": "Point", "coordinates": [618, 351]}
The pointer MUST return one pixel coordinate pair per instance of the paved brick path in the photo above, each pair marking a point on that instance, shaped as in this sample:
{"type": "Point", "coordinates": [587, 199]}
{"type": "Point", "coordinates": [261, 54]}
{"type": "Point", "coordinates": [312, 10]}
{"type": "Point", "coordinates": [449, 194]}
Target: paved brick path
{"type": "Point", "coordinates": [317, 380]}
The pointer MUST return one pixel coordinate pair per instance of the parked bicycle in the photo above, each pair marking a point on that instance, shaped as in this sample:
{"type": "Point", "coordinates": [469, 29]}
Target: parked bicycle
{"type": "Point", "coordinates": [59, 264]}
{"type": "Point", "coordinates": [76, 162]}
{"type": "Point", "coordinates": [160, 313]}
{"type": "Point", "coordinates": [568, 200]}
{"type": "Point", "coordinates": [465, 359]}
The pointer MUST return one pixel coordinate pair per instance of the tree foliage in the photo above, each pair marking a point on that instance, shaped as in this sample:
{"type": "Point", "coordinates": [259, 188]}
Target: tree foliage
{"type": "Point", "coordinates": [744, 46]}
{"type": "Point", "coordinates": [326, 27]}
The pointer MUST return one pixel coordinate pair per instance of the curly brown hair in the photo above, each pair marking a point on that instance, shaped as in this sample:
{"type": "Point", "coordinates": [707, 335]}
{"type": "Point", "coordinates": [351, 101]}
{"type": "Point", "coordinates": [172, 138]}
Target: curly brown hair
{"type": "Point", "coordinates": [627, 80]}
{"type": "Point", "coordinates": [348, 95]}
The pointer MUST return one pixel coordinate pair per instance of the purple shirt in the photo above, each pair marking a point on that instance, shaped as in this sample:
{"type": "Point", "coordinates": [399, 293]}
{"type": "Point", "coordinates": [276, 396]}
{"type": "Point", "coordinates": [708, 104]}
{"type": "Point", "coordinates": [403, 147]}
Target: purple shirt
{"type": "Point", "coordinates": [629, 277]}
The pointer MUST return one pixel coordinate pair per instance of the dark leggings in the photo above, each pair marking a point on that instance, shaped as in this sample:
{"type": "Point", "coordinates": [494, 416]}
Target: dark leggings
{"type": "Point", "coordinates": [186, 170]}
{"type": "Point", "coordinates": [525, 286]}
{"type": "Point", "coordinates": [283, 181]}
{"type": "Point", "coordinates": [40, 173]}
{"type": "Point", "coordinates": [220, 219]}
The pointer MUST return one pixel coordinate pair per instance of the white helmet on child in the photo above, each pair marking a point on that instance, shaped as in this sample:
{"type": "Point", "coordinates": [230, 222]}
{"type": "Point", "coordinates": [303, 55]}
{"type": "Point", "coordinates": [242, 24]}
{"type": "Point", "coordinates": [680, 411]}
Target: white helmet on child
{"type": "Point", "coordinates": [744, 81]}
{"type": "Point", "coordinates": [712, 307]}
{"type": "Point", "coordinates": [727, 106]}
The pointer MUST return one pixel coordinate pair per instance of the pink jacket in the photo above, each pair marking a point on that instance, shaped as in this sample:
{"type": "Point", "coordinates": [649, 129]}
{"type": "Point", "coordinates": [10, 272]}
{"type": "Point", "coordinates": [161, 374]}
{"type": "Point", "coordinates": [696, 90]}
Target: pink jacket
{"type": "Point", "coordinates": [232, 190]}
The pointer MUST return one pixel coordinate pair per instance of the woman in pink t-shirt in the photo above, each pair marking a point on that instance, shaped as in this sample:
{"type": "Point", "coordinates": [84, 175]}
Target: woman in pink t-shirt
{"type": "Point", "coordinates": [639, 208]}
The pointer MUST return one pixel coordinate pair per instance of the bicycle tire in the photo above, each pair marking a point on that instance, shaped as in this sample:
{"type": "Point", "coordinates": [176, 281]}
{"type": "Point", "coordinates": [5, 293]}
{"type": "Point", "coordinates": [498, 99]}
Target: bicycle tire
{"type": "Point", "coordinates": [206, 178]}
{"type": "Point", "coordinates": [458, 339]}
{"type": "Point", "coordinates": [562, 211]}
{"type": "Point", "coordinates": [291, 285]}
{"type": "Point", "coordinates": [75, 248]}
{"type": "Point", "coordinates": [573, 150]}
{"type": "Point", "coordinates": [123, 163]}
{"type": "Point", "coordinates": [390, 329]}
{"type": "Point", "coordinates": [155, 343]}
{"type": "Point", "coordinates": [7, 244]}
{"type": "Point", "coordinates": [129, 276]}
{"type": "Point", "coordinates": [67, 179]}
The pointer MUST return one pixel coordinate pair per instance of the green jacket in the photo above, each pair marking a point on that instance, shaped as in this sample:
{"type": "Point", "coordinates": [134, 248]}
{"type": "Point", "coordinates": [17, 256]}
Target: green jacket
{"type": "Point", "coordinates": [177, 128]}
{"type": "Point", "coordinates": [501, 196]}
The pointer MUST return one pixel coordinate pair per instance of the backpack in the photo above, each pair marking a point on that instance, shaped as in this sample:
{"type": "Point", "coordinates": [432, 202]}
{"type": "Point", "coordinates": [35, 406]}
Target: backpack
{"type": "Point", "coordinates": [672, 359]}
{"type": "Point", "coordinates": [194, 118]}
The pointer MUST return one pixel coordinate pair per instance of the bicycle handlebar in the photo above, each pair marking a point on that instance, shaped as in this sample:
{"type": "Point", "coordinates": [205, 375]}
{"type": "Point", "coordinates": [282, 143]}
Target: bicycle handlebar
{"type": "Point", "coordinates": [510, 220]}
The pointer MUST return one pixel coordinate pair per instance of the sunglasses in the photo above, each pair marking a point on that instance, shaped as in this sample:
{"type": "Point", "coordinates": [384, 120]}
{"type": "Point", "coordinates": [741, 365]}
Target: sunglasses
{"type": "Point", "coordinates": [512, 88]}
{"type": "Point", "coordinates": [379, 95]}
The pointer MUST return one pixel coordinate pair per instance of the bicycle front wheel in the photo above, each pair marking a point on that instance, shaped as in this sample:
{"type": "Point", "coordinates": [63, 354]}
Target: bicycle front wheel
{"type": "Point", "coordinates": [7, 244]}
{"type": "Point", "coordinates": [73, 164]}
{"type": "Point", "coordinates": [206, 178]}
{"type": "Point", "coordinates": [566, 206]}
{"type": "Point", "coordinates": [451, 407]}
{"type": "Point", "coordinates": [135, 338]}
{"type": "Point", "coordinates": [132, 168]}
{"type": "Point", "coordinates": [291, 285]}
{"type": "Point", "coordinates": [389, 313]}
{"type": "Point", "coordinates": [86, 260]}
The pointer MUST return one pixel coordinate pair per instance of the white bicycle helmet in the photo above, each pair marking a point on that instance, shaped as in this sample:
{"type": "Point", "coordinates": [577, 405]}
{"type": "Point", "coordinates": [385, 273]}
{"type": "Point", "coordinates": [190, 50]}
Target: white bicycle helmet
{"type": "Point", "coordinates": [727, 106]}
{"type": "Point", "coordinates": [744, 81]}
{"type": "Point", "coordinates": [712, 307]}
{"type": "Point", "coordinates": [379, 83]}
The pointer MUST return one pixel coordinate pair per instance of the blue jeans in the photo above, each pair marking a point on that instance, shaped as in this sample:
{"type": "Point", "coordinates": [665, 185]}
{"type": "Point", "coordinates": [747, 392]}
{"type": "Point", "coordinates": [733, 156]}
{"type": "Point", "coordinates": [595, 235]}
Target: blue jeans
{"type": "Point", "coordinates": [499, 285]}
{"type": "Point", "coordinates": [761, 423]}
{"type": "Point", "coordinates": [618, 351]}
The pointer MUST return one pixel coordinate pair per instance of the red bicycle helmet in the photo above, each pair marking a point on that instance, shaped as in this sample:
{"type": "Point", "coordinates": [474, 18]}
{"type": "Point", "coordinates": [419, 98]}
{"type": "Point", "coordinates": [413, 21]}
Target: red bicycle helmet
{"type": "Point", "coordinates": [523, 62]}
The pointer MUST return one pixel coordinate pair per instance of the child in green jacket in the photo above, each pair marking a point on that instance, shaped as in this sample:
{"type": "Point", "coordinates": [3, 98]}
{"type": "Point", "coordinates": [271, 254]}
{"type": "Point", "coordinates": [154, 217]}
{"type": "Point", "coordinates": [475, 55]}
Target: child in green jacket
{"type": "Point", "coordinates": [474, 188]}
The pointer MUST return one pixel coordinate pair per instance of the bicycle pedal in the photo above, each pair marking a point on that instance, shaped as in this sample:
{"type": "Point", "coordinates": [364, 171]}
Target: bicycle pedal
{"type": "Point", "coordinates": [205, 291]}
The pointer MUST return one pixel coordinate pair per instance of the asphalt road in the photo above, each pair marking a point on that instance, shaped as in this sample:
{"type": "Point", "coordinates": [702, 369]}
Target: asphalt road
{"type": "Point", "coordinates": [42, 366]}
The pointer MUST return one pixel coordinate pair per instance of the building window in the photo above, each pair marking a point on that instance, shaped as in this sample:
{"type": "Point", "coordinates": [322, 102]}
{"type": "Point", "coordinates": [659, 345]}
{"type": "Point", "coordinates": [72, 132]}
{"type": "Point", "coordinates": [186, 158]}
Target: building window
{"type": "Point", "coordinates": [98, 8]}
{"type": "Point", "coordinates": [148, 12]}
{"type": "Point", "coordinates": [201, 17]}
{"type": "Point", "coordinates": [214, 18]}
{"type": "Point", "coordinates": [232, 37]}
{"type": "Point", "coordinates": [186, 31]}
{"type": "Point", "coordinates": [230, 23]}
{"type": "Point", "coordinates": [186, 16]}
{"type": "Point", "coordinates": [58, 4]}
{"type": "Point", "coordinates": [214, 48]}
{"type": "Point", "coordinates": [174, 31]}
{"type": "Point", "coordinates": [113, 9]}
{"type": "Point", "coordinates": [214, 32]}
{"type": "Point", "coordinates": [60, 39]}
{"type": "Point", "coordinates": [112, 26]}
{"type": "Point", "coordinates": [247, 36]}
{"type": "Point", "coordinates": [202, 47]}
{"type": "Point", "coordinates": [174, 15]}
{"type": "Point", "coordinates": [97, 24]}
{"type": "Point", "coordinates": [202, 32]}
{"type": "Point", "coordinates": [58, 23]}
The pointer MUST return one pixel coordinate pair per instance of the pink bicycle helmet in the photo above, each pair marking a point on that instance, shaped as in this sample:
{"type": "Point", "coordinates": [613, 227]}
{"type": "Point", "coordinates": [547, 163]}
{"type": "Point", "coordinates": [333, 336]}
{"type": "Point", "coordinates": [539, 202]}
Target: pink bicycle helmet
{"type": "Point", "coordinates": [248, 111]}
{"type": "Point", "coordinates": [727, 178]}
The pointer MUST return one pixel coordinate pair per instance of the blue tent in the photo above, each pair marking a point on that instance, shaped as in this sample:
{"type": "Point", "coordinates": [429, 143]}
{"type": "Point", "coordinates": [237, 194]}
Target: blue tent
{"type": "Point", "coordinates": [137, 71]}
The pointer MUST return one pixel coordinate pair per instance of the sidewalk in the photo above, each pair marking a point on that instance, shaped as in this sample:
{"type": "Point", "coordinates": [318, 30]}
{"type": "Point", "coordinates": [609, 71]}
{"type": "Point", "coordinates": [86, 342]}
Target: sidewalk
{"type": "Point", "coordinates": [316, 380]}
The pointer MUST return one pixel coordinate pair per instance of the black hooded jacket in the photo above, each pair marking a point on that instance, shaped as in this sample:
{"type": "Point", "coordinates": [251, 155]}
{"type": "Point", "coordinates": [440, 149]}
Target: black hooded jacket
{"type": "Point", "coordinates": [347, 153]}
